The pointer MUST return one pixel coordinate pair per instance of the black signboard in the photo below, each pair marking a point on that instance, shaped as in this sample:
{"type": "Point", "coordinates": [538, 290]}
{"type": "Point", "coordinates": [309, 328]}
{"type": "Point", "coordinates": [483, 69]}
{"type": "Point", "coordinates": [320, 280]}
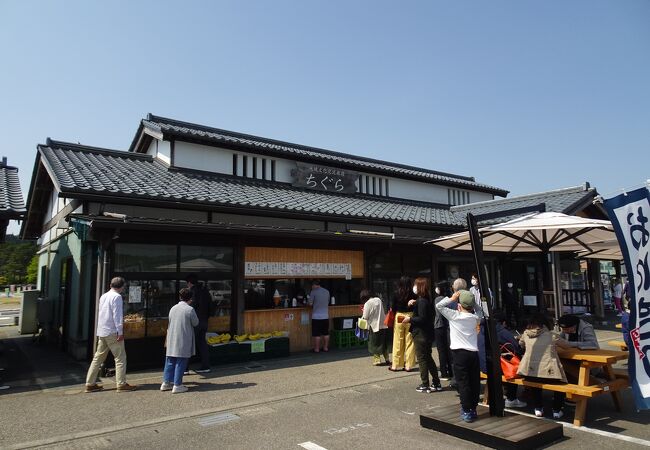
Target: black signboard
{"type": "Point", "coordinates": [330, 179]}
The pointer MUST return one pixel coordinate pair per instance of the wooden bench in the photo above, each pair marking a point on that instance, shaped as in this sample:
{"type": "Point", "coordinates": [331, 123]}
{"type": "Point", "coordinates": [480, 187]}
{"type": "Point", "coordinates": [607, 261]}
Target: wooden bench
{"type": "Point", "coordinates": [578, 393]}
{"type": "Point", "coordinates": [618, 344]}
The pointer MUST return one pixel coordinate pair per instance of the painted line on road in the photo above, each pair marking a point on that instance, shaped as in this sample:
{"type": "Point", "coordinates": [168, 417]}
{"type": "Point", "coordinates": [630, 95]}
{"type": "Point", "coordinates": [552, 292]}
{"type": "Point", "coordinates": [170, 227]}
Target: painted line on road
{"type": "Point", "coordinates": [311, 446]}
{"type": "Point", "coordinates": [217, 419]}
{"type": "Point", "coordinates": [608, 434]}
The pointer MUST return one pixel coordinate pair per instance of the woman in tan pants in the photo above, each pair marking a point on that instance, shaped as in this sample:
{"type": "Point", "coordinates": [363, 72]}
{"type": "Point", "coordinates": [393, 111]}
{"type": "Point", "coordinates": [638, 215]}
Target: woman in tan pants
{"type": "Point", "coordinates": [403, 350]}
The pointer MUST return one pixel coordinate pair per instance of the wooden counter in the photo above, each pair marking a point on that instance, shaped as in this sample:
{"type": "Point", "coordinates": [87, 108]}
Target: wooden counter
{"type": "Point", "coordinates": [289, 319]}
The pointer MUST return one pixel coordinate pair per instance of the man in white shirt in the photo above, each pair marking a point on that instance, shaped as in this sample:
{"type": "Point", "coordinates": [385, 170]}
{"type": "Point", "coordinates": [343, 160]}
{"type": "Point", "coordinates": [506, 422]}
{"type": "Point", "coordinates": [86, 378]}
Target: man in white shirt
{"type": "Point", "coordinates": [110, 337]}
{"type": "Point", "coordinates": [463, 325]}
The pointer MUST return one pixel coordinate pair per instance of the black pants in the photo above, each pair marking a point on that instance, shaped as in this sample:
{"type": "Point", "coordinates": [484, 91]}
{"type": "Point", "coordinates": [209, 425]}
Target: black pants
{"type": "Point", "coordinates": [558, 399]}
{"type": "Point", "coordinates": [444, 354]}
{"type": "Point", "coordinates": [468, 376]}
{"type": "Point", "coordinates": [510, 390]}
{"type": "Point", "coordinates": [422, 344]}
{"type": "Point", "coordinates": [202, 347]}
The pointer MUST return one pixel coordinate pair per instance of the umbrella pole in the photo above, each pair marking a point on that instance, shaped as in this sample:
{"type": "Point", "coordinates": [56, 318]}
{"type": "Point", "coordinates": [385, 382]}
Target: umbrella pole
{"type": "Point", "coordinates": [493, 356]}
{"type": "Point", "coordinates": [557, 285]}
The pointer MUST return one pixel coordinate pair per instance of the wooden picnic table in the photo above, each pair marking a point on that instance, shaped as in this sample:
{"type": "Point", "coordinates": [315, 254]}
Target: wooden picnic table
{"type": "Point", "coordinates": [578, 363]}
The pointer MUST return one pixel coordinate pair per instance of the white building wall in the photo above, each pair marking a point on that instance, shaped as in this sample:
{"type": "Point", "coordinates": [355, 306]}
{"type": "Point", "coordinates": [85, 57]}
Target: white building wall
{"type": "Point", "coordinates": [164, 152]}
{"type": "Point", "coordinates": [202, 157]}
{"type": "Point", "coordinates": [415, 190]}
{"type": "Point", "coordinates": [220, 160]}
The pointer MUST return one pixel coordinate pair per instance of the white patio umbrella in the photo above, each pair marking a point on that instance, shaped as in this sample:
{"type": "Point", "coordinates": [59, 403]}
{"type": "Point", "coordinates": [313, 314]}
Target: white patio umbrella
{"type": "Point", "coordinates": [545, 232]}
{"type": "Point", "coordinates": [606, 250]}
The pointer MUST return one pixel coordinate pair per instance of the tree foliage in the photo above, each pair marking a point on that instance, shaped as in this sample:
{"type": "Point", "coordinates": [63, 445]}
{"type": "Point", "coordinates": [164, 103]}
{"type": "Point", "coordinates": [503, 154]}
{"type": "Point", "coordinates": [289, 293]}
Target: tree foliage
{"type": "Point", "coordinates": [15, 258]}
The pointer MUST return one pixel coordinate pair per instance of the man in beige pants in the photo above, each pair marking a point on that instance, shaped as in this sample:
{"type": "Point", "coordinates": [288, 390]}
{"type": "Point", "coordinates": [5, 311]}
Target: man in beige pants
{"type": "Point", "coordinates": [110, 337]}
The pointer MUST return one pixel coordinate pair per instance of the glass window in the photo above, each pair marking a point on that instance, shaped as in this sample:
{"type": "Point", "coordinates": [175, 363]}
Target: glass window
{"type": "Point", "coordinates": [146, 307]}
{"type": "Point", "coordinates": [145, 258]}
{"type": "Point", "coordinates": [134, 309]}
{"type": "Point", "coordinates": [345, 292]}
{"type": "Point", "coordinates": [387, 262]}
{"type": "Point", "coordinates": [161, 296]}
{"type": "Point", "coordinates": [221, 293]}
{"type": "Point", "coordinates": [206, 259]}
{"type": "Point", "coordinates": [417, 265]}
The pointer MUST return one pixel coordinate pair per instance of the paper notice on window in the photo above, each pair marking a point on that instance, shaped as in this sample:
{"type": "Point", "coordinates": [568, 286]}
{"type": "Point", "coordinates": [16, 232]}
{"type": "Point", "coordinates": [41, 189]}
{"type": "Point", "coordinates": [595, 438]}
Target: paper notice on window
{"type": "Point", "coordinates": [347, 323]}
{"type": "Point", "coordinates": [530, 300]}
{"type": "Point", "coordinates": [135, 294]}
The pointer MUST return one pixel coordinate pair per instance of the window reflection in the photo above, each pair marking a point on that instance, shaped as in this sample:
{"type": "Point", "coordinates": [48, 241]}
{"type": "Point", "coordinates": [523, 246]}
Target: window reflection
{"type": "Point", "coordinates": [145, 258]}
{"type": "Point", "coordinates": [206, 259]}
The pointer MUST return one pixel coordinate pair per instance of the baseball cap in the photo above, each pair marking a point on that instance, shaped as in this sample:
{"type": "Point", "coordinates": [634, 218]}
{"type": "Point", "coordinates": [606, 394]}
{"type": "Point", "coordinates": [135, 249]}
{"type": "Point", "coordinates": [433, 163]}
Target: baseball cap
{"type": "Point", "coordinates": [466, 299]}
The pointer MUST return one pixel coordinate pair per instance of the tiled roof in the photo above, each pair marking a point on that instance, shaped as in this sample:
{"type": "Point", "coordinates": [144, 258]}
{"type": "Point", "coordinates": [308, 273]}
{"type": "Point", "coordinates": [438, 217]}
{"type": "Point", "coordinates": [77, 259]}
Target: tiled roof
{"type": "Point", "coordinates": [87, 171]}
{"type": "Point", "coordinates": [172, 127]}
{"type": "Point", "coordinates": [12, 205]}
{"type": "Point", "coordinates": [567, 201]}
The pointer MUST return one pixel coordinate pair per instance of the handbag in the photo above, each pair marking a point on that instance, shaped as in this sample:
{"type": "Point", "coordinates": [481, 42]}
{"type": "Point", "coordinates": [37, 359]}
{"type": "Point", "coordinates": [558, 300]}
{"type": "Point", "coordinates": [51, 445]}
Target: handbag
{"type": "Point", "coordinates": [389, 321]}
{"type": "Point", "coordinates": [362, 323]}
{"type": "Point", "coordinates": [361, 334]}
{"type": "Point", "coordinates": [509, 362]}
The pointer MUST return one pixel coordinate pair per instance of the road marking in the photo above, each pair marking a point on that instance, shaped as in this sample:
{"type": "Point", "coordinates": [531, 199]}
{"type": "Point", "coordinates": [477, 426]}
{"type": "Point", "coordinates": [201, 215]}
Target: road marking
{"type": "Point", "coordinates": [311, 446]}
{"type": "Point", "coordinates": [256, 411]}
{"type": "Point", "coordinates": [332, 431]}
{"type": "Point", "coordinates": [217, 419]}
{"type": "Point", "coordinates": [620, 437]}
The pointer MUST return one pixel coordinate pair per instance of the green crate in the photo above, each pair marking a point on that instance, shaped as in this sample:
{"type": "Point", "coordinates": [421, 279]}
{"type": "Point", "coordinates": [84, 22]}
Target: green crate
{"type": "Point", "coordinates": [343, 338]}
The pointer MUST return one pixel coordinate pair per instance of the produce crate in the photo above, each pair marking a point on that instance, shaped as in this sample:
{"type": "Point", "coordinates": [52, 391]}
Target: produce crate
{"type": "Point", "coordinates": [356, 342]}
{"type": "Point", "coordinates": [343, 338]}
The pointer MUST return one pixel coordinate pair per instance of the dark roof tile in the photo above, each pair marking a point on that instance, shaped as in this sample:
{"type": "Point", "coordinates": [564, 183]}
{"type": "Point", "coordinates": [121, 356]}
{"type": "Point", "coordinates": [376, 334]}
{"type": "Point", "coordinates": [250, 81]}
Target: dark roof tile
{"type": "Point", "coordinates": [78, 169]}
{"type": "Point", "coordinates": [12, 205]}
{"type": "Point", "coordinates": [565, 200]}
{"type": "Point", "coordinates": [270, 146]}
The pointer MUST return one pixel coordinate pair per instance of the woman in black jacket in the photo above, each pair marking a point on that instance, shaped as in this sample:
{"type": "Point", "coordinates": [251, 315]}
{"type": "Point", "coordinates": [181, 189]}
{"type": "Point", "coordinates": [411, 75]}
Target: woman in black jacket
{"type": "Point", "coordinates": [422, 331]}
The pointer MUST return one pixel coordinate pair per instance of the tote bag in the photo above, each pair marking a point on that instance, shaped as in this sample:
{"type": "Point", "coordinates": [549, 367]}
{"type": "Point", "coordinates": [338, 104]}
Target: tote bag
{"type": "Point", "coordinates": [362, 335]}
{"type": "Point", "coordinates": [390, 318]}
{"type": "Point", "coordinates": [509, 362]}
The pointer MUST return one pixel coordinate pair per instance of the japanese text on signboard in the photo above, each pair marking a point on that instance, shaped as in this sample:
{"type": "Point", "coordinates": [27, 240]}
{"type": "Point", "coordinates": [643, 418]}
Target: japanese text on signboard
{"type": "Point", "coordinates": [630, 214]}
{"type": "Point", "coordinates": [324, 178]}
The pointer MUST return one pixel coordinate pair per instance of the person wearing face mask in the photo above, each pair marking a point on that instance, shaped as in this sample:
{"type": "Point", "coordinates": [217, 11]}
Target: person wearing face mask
{"type": "Point", "coordinates": [403, 350]}
{"type": "Point", "coordinates": [422, 331]}
{"type": "Point", "coordinates": [441, 332]}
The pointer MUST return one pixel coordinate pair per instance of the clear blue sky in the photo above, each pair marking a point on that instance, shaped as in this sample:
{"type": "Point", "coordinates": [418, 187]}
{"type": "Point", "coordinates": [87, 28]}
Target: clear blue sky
{"type": "Point", "coordinates": [524, 95]}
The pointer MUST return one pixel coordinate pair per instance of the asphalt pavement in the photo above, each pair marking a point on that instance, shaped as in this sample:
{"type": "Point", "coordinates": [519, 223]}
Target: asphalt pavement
{"type": "Point", "coordinates": [334, 400]}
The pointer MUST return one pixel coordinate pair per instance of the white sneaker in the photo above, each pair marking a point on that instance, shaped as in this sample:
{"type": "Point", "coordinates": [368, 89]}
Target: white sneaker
{"type": "Point", "coordinates": [558, 414]}
{"type": "Point", "coordinates": [179, 389]}
{"type": "Point", "coordinates": [516, 403]}
{"type": "Point", "coordinates": [165, 386]}
{"type": "Point", "coordinates": [539, 412]}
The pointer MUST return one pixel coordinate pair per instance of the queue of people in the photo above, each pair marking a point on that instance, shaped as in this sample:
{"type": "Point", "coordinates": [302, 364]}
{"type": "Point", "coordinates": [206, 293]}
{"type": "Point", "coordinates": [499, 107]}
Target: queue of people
{"type": "Point", "coordinates": [455, 320]}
